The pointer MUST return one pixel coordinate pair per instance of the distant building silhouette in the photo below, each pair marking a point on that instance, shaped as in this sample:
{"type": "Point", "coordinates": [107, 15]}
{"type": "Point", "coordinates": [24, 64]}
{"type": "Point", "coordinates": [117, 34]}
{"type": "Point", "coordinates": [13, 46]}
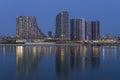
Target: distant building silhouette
{"type": "Point", "coordinates": [77, 29]}
{"type": "Point", "coordinates": [62, 23]}
{"type": "Point", "coordinates": [27, 28]}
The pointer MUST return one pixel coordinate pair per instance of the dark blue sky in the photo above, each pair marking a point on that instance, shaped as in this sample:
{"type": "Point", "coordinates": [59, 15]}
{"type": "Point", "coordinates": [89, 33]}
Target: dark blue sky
{"type": "Point", "coordinates": [107, 11]}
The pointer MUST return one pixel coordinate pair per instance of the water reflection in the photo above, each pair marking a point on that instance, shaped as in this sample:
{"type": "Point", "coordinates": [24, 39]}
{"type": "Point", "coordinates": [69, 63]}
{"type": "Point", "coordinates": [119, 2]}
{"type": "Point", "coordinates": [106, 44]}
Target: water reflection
{"type": "Point", "coordinates": [62, 61]}
{"type": "Point", "coordinates": [7, 50]}
{"type": "Point", "coordinates": [27, 59]}
{"type": "Point", "coordinates": [3, 50]}
{"type": "Point", "coordinates": [109, 52]}
{"type": "Point", "coordinates": [76, 58]}
{"type": "Point", "coordinates": [67, 58]}
{"type": "Point", "coordinates": [58, 62]}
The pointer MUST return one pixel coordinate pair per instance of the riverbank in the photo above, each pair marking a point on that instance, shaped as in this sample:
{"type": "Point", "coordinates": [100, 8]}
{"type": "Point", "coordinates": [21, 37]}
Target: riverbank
{"type": "Point", "coordinates": [55, 43]}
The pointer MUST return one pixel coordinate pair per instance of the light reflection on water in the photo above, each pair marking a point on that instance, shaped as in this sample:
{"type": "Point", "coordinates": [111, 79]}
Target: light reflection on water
{"type": "Point", "coordinates": [59, 62]}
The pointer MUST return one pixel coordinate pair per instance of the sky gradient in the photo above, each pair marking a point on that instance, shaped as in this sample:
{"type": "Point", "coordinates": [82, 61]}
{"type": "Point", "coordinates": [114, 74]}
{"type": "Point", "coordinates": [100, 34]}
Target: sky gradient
{"type": "Point", "coordinates": [106, 11]}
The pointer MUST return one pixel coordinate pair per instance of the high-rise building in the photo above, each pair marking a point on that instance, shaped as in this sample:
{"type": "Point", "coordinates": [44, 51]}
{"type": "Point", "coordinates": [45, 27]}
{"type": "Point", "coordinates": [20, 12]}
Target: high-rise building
{"type": "Point", "coordinates": [95, 30]}
{"type": "Point", "coordinates": [77, 29]}
{"type": "Point", "coordinates": [88, 31]}
{"type": "Point", "coordinates": [49, 34]}
{"type": "Point", "coordinates": [27, 28]}
{"type": "Point", "coordinates": [62, 26]}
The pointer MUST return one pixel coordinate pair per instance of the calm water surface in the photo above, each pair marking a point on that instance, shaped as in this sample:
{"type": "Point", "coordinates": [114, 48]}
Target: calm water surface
{"type": "Point", "coordinates": [59, 63]}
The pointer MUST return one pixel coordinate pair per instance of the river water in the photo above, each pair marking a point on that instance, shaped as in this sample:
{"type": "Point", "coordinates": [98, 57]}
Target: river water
{"type": "Point", "coordinates": [62, 62]}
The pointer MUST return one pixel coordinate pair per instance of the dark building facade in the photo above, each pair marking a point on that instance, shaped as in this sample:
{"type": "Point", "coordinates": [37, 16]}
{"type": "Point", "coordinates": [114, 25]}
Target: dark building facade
{"type": "Point", "coordinates": [62, 26]}
{"type": "Point", "coordinates": [27, 28]}
{"type": "Point", "coordinates": [49, 34]}
{"type": "Point", "coordinates": [92, 30]}
{"type": "Point", "coordinates": [77, 29]}
{"type": "Point", "coordinates": [88, 31]}
{"type": "Point", "coordinates": [95, 30]}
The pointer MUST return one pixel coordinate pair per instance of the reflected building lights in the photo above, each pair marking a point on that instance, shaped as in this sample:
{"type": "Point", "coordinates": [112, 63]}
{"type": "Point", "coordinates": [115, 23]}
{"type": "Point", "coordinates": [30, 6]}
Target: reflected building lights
{"type": "Point", "coordinates": [19, 51]}
{"type": "Point", "coordinates": [103, 53]}
{"type": "Point", "coordinates": [81, 50]}
{"type": "Point", "coordinates": [85, 51]}
{"type": "Point", "coordinates": [44, 50]}
{"type": "Point", "coordinates": [62, 61]}
{"type": "Point", "coordinates": [75, 58]}
{"type": "Point", "coordinates": [27, 58]}
{"type": "Point", "coordinates": [50, 50]}
{"type": "Point", "coordinates": [95, 51]}
{"type": "Point", "coordinates": [3, 50]}
{"type": "Point", "coordinates": [34, 50]}
{"type": "Point", "coordinates": [83, 57]}
{"type": "Point", "coordinates": [62, 54]}
{"type": "Point", "coordinates": [109, 52]}
{"type": "Point", "coordinates": [39, 50]}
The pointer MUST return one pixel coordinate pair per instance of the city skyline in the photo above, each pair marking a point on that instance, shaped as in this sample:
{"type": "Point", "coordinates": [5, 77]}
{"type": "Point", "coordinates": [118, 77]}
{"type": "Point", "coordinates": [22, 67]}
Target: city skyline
{"type": "Point", "coordinates": [105, 11]}
{"type": "Point", "coordinates": [59, 39]}
{"type": "Point", "coordinates": [66, 29]}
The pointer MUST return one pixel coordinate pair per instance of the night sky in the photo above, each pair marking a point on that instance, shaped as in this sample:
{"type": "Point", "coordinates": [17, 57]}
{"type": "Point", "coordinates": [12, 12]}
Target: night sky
{"type": "Point", "coordinates": [107, 11]}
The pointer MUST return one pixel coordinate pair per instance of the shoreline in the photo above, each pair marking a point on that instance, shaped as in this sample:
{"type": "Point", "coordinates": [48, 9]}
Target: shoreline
{"type": "Point", "coordinates": [68, 44]}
